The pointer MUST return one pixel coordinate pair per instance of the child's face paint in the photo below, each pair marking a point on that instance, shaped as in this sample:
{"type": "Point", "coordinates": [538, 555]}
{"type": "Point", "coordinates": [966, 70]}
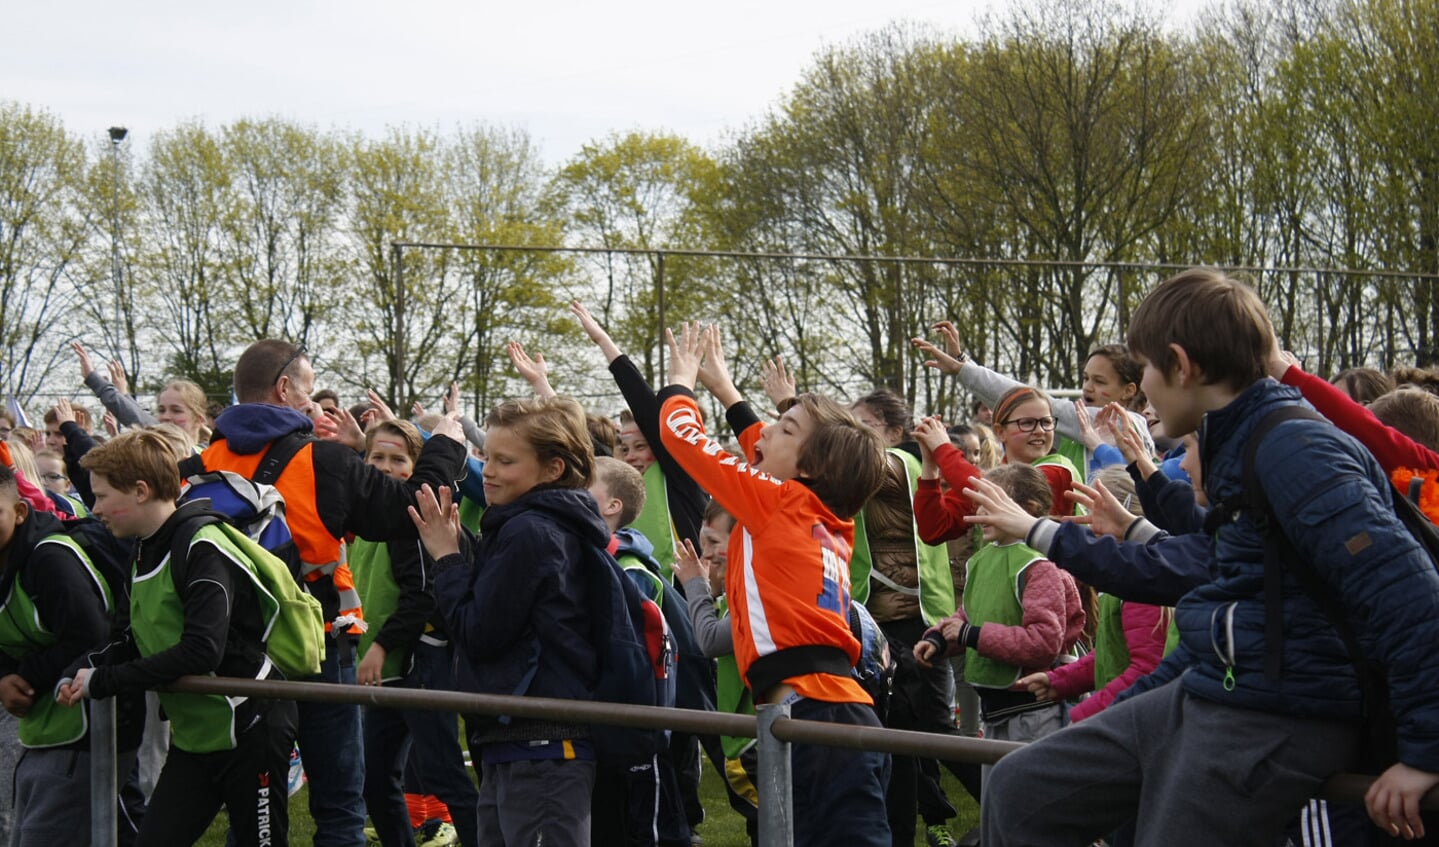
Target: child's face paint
{"type": "Point", "coordinates": [390, 457]}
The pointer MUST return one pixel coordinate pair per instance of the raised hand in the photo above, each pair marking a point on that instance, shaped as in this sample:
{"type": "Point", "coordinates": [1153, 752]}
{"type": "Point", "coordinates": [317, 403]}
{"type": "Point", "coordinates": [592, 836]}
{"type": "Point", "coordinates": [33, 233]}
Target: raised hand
{"type": "Point", "coordinates": [998, 509]}
{"type": "Point", "coordinates": [945, 361]}
{"type": "Point", "coordinates": [1087, 433]}
{"type": "Point", "coordinates": [596, 332]}
{"type": "Point", "coordinates": [534, 371]}
{"type": "Point", "coordinates": [779, 384]}
{"type": "Point", "coordinates": [437, 520]}
{"type": "Point", "coordinates": [686, 354]}
{"type": "Point", "coordinates": [117, 376]}
{"type": "Point", "coordinates": [688, 564]}
{"type": "Point", "coordinates": [380, 409]}
{"type": "Point", "coordinates": [452, 398]}
{"type": "Point", "coordinates": [87, 367]}
{"type": "Point", "coordinates": [449, 427]}
{"type": "Point", "coordinates": [112, 426]}
{"type": "Point", "coordinates": [1115, 419]}
{"type": "Point", "coordinates": [1107, 516]}
{"type": "Point", "coordinates": [340, 426]}
{"type": "Point", "coordinates": [64, 411]}
{"type": "Point", "coordinates": [931, 434]}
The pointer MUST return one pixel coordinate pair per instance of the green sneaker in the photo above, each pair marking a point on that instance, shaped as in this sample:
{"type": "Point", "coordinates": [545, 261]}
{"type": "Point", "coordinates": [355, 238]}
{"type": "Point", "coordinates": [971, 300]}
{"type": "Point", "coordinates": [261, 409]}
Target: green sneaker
{"type": "Point", "coordinates": [372, 838]}
{"type": "Point", "coordinates": [939, 836]}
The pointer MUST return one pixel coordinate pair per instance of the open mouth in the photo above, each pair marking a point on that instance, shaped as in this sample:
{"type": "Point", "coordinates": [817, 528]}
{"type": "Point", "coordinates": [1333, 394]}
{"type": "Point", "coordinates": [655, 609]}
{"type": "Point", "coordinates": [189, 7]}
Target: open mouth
{"type": "Point", "coordinates": [758, 456]}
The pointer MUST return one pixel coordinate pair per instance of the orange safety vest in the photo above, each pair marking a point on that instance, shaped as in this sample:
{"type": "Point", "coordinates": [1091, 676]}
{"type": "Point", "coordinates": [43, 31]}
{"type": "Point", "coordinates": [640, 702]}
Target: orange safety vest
{"type": "Point", "coordinates": [322, 555]}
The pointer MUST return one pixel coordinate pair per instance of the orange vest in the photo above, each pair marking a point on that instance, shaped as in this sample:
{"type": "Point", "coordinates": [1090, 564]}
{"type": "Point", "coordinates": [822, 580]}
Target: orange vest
{"type": "Point", "coordinates": [1428, 491]}
{"type": "Point", "coordinates": [322, 555]}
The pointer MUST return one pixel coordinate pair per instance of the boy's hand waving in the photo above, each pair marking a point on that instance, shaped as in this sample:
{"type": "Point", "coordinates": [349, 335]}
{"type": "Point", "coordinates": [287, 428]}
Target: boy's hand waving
{"type": "Point", "coordinates": [686, 355]}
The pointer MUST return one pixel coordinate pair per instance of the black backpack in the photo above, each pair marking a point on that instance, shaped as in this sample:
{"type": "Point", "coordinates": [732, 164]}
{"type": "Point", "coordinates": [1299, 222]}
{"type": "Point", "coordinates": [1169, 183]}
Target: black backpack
{"type": "Point", "coordinates": [1380, 744]}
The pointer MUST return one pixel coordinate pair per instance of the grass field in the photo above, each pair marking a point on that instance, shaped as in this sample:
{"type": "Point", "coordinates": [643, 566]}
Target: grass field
{"type": "Point", "coordinates": [723, 827]}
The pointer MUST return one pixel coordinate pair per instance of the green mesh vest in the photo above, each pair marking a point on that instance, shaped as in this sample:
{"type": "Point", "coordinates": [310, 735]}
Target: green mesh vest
{"type": "Point", "coordinates": [654, 520]}
{"type": "Point", "coordinates": [991, 595]}
{"type": "Point", "coordinates": [380, 596]}
{"type": "Point", "coordinates": [199, 723]}
{"type": "Point", "coordinates": [936, 584]}
{"type": "Point", "coordinates": [731, 695]}
{"type": "Point", "coordinates": [47, 724]}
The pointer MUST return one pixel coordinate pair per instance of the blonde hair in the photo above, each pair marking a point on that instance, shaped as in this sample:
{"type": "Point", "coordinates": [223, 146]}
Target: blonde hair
{"type": "Point", "coordinates": [24, 459]}
{"type": "Point", "coordinates": [991, 451]}
{"type": "Point", "coordinates": [192, 397]}
{"type": "Point", "coordinates": [555, 429]}
{"type": "Point", "coordinates": [179, 439]}
{"type": "Point", "coordinates": [624, 484]}
{"type": "Point", "coordinates": [140, 455]}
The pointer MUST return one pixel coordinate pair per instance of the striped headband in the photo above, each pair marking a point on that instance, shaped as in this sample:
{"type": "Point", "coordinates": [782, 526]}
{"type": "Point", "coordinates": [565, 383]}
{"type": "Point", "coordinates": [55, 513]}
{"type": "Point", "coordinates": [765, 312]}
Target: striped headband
{"type": "Point", "coordinates": [1013, 400]}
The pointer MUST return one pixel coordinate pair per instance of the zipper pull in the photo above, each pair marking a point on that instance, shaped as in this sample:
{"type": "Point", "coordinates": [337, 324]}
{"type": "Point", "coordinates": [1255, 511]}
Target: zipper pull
{"type": "Point", "coordinates": [1229, 678]}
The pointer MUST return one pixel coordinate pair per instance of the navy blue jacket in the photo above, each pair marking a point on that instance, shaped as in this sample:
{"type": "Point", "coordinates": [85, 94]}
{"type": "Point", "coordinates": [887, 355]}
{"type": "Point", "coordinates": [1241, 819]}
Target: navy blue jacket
{"type": "Point", "coordinates": [1336, 506]}
{"type": "Point", "coordinates": [517, 610]}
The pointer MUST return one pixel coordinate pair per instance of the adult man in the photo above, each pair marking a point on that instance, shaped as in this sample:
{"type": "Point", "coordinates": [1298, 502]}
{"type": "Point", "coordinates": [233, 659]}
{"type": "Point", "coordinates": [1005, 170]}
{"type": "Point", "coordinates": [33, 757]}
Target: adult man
{"type": "Point", "coordinates": [329, 492]}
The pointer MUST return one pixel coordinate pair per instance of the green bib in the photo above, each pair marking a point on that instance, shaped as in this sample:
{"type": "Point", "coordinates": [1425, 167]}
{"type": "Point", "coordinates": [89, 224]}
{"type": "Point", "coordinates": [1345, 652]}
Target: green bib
{"type": "Point", "coordinates": [1111, 650]}
{"type": "Point", "coordinates": [653, 587]}
{"type": "Point", "coordinates": [654, 520]}
{"type": "Point", "coordinates": [1072, 452]}
{"type": "Point", "coordinates": [731, 695]}
{"type": "Point", "coordinates": [936, 584]}
{"type": "Point", "coordinates": [992, 595]}
{"type": "Point", "coordinates": [47, 724]}
{"type": "Point", "coordinates": [199, 723]}
{"type": "Point", "coordinates": [380, 596]}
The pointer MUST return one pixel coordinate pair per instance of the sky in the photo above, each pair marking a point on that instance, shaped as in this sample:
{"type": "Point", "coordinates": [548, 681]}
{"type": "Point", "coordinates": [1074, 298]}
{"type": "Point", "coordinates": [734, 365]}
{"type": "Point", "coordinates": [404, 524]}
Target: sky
{"type": "Point", "coordinates": [567, 73]}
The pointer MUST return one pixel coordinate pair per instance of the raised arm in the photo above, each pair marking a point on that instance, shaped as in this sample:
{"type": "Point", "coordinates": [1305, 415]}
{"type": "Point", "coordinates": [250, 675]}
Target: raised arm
{"type": "Point", "coordinates": [126, 410]}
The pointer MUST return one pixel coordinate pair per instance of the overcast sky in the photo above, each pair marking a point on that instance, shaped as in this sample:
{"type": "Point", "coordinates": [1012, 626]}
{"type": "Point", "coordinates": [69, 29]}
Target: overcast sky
{"type": "Point", "coordinates": [567, 72]}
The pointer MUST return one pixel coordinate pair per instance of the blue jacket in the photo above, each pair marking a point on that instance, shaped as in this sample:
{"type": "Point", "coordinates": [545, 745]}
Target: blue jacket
{"type": "Point", "coordinates": [518, 615]}
{"type": "Point", "coordinates": [1336, 505]}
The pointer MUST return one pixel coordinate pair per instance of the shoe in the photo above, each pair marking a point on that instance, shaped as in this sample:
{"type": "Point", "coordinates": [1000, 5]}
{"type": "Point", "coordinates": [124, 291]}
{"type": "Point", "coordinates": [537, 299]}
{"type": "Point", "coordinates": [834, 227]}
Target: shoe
{"type": "Point", "coordinates": [696, 839]}
{"type": "Point", "coordinates": [297, 771]}
{"type": "Point", "coordinates": [939, 836]}
{"type": "Point", "coordinates": [436, 833]}
{"type": "Point", "coordinates": [372, 837]}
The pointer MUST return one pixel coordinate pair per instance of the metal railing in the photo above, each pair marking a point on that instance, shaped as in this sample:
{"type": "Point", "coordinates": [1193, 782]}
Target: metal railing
{"type": "Point", "coordinates": [773, 727]}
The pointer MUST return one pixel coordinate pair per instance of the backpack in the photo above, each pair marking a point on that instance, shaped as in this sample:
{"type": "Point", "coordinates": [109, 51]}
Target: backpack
{"type": "Point", "coordinates": [877, 664]}
{"type": "Point", "coordinates": [295, 639]}
{"type": "Point", "coordinates": [254, 506]}
{"type": "Point", "coordinates": [636, 659]}
{"type": "Point", "coordinates": [1381, 743]}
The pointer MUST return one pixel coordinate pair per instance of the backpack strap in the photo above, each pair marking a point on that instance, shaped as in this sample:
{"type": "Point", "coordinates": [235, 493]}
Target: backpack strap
{"type": "Point", "coordinates": [1416, 488]}
{"type": "Point", "coordinates": [1280, 553]}
{"type": "Point", "coordinates": [277, 457]}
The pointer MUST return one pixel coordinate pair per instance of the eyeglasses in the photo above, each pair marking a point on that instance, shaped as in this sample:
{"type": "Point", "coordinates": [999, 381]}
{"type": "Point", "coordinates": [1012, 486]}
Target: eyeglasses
{"type": "Point", "coordinates": [299, 351]}
{"type": "Point", "coordinates": [1028, 424]}
{"type": "Point", "coordinates": [52, 477]}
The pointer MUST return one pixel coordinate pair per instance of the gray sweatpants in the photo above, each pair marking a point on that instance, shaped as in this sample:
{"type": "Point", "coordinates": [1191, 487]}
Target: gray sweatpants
{"type": "Point", "coordinates": [1192, 771]}
{"type": "Point", "coordinates": [544, 802]}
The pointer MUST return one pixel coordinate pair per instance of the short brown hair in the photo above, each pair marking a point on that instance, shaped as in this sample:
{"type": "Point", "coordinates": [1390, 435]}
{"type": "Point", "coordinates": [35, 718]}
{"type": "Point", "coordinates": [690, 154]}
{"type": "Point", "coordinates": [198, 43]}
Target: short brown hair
{"type": "Point", "coordinates": [82, 416]}
{"type": "Point", "coordinates": [555, 428]}
{"type": "Point", "coordinates": [407, 432]}
{"type": "Point", "coordinates": [1025, 485]}
{"type": "Point", "coordinates": [1220, 323]}
{"type": "Point", "coordinates": [261, 366]}
{"type": "Point", "coordinates": [1411, 411]}
{"type": "Point", "coordinates": [1424, 379]}
{"type": "Point", "coordinates": [135, 456]}
{"type": "Point", "coordinates": [843, 460]}
{"type": "Point", "coordinates": [625, 484]}
{"type": "Point", "coordinates": [1364, 385]}
{"type": "Point", "coordinates": [1127, 368]}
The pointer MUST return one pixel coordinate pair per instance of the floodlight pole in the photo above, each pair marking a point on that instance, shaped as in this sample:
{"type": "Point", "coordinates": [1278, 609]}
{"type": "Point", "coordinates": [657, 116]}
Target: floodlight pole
{"type": "Point", "coordinates": [117, 135]}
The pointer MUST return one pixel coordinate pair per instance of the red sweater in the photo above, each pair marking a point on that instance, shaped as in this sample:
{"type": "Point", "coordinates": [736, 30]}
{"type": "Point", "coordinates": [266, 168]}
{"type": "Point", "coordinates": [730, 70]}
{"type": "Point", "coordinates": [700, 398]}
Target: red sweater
{"type": "Point", "coordinates": [940, 514]}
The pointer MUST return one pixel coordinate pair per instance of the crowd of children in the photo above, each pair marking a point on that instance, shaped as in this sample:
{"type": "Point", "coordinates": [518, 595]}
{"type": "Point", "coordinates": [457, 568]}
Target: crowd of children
{"type": "Point", "coordinates": [1187, 658]}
